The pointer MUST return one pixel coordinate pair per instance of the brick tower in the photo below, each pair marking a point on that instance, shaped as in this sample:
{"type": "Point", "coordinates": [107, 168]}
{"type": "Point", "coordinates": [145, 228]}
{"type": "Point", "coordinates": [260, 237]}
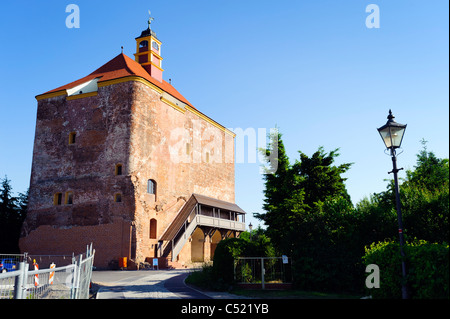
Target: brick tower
{"type": "Point", "coordinates": [121, 159]}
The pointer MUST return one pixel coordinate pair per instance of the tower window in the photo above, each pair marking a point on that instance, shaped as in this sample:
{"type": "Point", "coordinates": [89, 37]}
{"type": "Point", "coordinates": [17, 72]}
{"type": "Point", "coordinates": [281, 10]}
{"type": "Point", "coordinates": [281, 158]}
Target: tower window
{"type": "Point", "coordinates": [143, 44]}
{"type": "Point", "coordinates": [69, 198]}
{"type": "Point", "coordinates": [188, 148]}
{"type": "Point", "coordinates": [72, 138]}
{"type": "Point", "coordinates": [153, 228]}
{"type": "Point", "coordinates": [118, 198]}
{"type": "Point", "coordinates": [207, 157]}
{"type": "Point", "coordinates": [151, 187]}
{"type": "Point", "coordinates": [118, 169]}
{"type": "Point", "coordinates": [57, 199]}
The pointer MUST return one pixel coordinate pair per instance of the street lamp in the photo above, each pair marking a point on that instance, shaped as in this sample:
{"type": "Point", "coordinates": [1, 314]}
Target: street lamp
{"type": "Point", "coordinates": [392, 135]}
{"type": "Point", "coordinates": [250, 227]}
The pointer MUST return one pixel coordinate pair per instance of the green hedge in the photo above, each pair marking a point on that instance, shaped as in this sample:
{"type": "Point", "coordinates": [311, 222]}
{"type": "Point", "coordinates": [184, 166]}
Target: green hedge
{"type": "Point", "coordinates": [427, 269]}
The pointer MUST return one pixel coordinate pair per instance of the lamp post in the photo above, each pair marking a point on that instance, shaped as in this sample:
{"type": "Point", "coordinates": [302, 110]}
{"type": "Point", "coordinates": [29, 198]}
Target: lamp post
{"type": "Point", "coordinates": [250, 227]}
{"type": "Point", "coordinates": [392, 136]}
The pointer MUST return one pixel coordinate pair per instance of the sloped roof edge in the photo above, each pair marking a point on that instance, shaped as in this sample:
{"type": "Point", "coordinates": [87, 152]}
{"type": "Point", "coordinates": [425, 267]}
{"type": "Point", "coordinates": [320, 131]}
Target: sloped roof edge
{"type": "Point", "coordinates": [119, 67]}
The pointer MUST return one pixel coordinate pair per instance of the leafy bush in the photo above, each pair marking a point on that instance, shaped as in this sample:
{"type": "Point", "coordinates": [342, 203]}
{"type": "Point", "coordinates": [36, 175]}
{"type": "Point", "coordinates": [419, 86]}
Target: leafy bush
{"type": "Point", "coordinates": [229, 249]}
{"type": "Point", "coordinates": [427, 269]}
{"type": "Point", "coordinates": [223, 266]}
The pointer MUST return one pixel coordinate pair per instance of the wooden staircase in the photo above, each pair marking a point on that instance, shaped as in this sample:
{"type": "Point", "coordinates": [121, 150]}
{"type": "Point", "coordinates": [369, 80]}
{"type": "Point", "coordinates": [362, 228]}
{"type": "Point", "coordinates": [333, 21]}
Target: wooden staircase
{"type": "Point", "coordinates": [221, 215]}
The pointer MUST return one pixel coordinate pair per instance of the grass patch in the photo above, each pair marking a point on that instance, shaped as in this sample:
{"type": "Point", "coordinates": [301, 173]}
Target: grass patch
{"type": "Point", "coordinates": [203, 279]}
{"type": "Point", "coordinates": [289, 294]}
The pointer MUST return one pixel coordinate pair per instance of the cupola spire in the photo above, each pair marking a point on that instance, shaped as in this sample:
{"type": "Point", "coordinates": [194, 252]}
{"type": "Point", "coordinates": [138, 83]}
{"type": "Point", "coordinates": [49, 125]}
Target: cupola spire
{"type": "Point", "coordinates": [150, 19]}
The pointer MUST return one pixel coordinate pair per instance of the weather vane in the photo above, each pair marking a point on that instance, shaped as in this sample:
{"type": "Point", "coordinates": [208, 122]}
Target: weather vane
{"type": "Point", "coordinates": [150, 19]}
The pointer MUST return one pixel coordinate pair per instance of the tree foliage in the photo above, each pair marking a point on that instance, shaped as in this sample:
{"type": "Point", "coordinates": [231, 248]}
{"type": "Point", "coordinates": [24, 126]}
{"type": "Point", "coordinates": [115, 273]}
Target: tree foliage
{"type": "Point", "coordinates": [309, 215]}
{"type": "Point", "coordinates": [306, 207]}
{"type": "Point", "coordinates": [277, 185]}
{"type": "Point", "coordinates": [425, 198]}
{"type": "Point", "coordinates": [12, 214]}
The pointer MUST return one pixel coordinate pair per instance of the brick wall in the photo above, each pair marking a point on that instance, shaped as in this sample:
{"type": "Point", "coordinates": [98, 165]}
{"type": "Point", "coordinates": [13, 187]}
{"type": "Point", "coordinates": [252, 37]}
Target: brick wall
{"type": "Point", "coordinates": [159, 134]}
{"type": "Point", "coordinates": [110, 241]}
{"type": "Point", "coordinates": [127, 124]}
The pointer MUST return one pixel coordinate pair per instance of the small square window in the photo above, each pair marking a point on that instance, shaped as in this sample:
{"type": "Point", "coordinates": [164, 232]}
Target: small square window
{"type": "Point", "coordinates": [57, 199]}
{"type": "Point", "coordinates": [118, 198]}
{"type": "Point", "coordinates": [188, 149]}
{"type": "Point", "coordinates": [72, 138]}
{"type": "Point", "coordinates": [151, 187]}
{"type": "Point", "coordinates": [69, 198]}
{"type": "Point", "coordinates": [118, 169]}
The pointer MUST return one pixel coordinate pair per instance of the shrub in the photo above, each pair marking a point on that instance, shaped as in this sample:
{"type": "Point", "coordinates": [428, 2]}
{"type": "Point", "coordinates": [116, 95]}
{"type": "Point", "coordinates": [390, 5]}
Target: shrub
{"type": "Point", "coordinates": [223, 267]}
{"type": "Point", "coordinates": [427, 269]}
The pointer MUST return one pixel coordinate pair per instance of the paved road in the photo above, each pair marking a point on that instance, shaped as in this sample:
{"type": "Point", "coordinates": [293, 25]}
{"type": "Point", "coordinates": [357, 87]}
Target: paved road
{"type": "Point", "coordinates": [144, 284]}
{"type": "Point", "coordinates": [177, 286]}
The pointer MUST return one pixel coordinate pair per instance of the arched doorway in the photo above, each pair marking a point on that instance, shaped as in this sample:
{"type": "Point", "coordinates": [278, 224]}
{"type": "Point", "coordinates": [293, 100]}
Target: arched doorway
{"type": "Point", "coordinates": [215, 239]}
{"type": "Point", "coordinates": [197, 242]}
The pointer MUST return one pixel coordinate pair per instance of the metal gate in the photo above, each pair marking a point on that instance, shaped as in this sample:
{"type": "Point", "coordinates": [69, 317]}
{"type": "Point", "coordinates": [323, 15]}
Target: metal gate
{"type": "Point", "coordinates": [263, 270]}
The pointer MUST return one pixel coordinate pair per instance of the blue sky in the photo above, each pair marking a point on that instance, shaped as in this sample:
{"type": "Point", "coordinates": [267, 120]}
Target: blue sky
{"type": "Point", "coordinates": [312, 68]}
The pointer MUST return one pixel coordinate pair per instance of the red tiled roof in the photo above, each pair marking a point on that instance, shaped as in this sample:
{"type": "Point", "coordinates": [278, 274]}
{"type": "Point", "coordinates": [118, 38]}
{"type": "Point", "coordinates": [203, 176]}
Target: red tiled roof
{"type": "Point", "coordinates": [123, 66]}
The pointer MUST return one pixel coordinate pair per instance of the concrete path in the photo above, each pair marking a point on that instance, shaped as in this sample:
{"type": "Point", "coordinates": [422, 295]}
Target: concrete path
{"type": "Point", "coordinates": [148, 284]}
{"type": "Point", "coordinates": [139, 285]}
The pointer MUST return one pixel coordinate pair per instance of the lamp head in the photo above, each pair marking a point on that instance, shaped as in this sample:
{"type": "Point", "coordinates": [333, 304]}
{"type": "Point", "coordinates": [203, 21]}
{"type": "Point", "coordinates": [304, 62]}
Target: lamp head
{"type": "Point", "coordinates": [392, 132]}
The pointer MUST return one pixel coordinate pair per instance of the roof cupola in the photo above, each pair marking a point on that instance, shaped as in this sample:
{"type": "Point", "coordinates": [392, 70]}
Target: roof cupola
{"type": "Point", "coordinates": [148, 52]}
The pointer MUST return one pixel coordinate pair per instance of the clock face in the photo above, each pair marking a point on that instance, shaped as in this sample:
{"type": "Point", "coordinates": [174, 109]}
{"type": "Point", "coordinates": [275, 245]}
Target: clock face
{"type": "Point", "coordinates": [155, 46]}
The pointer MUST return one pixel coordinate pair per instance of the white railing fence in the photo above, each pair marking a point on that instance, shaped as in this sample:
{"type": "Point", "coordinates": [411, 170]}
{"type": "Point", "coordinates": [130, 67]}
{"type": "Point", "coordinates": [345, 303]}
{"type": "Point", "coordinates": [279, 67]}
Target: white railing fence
{"type": "Point", "coordinates": [24, 279]}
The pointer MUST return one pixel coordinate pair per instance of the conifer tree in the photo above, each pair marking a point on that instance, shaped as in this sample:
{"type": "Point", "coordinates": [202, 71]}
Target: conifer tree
{"type": "Point", "coordinates": [12, 214]}
{"type": "Point", "coordinates": [295, 193]}
{"type": "Point", "coordinates": [278, 186]}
